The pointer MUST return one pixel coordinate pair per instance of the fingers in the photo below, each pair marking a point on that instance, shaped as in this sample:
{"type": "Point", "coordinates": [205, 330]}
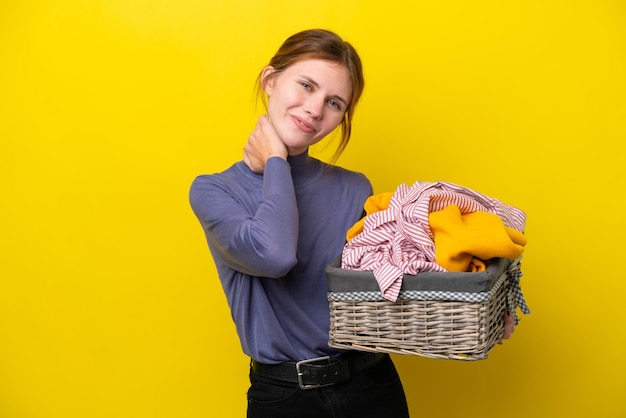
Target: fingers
{"type": "Point", "coordinates": [271, 142]}
{"type": "Point", "coordinates": [263, 143]}
{"type": "Point", "coordinates": [253, 163]}
{"type": "Point", "coordinates": [509, 324]}
{"type": "Point", "coordinates": [509, 327]}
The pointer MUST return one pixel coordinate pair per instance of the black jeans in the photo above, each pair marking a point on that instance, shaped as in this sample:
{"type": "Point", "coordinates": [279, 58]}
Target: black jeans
{"type": "Point", "coordinates": [376, 392]}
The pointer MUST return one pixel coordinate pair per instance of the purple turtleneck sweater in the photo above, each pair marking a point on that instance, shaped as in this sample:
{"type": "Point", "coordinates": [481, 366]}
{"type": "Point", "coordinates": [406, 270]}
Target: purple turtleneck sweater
{"type": "Point", "coordinates": [271, 235]}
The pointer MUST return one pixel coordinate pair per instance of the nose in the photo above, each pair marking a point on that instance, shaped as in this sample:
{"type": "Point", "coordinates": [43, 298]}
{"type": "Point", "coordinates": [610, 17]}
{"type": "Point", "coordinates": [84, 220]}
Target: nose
{"type": "Point", "coordinates": [314, 107]}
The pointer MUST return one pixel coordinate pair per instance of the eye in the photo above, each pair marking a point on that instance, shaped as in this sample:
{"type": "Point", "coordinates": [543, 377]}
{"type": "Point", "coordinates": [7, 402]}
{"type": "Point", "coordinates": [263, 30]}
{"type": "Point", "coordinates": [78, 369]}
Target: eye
{"type": "Point", "coordinates": [334, 104]}
{"type": "Point", "coordinates": [305, 85]}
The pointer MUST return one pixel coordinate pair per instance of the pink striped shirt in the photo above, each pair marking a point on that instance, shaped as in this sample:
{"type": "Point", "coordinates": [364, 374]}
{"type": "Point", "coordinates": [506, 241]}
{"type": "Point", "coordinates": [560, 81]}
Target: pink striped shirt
{"type": "Point", "coordinates": [398, 240]}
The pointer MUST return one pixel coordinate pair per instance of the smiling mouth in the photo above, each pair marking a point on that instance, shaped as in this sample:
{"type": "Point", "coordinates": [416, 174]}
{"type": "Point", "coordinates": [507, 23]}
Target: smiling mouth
{"type": "Point", "coordinates": [304, 126]}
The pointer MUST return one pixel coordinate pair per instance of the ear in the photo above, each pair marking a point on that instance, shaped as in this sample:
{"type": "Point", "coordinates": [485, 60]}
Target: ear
{"type": "Point", "coordinates": [267, 79]}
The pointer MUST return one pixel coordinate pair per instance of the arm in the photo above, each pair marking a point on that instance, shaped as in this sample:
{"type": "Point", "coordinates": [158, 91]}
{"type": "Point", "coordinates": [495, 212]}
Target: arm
{"type": "Point", "coordinates": [251, 232]}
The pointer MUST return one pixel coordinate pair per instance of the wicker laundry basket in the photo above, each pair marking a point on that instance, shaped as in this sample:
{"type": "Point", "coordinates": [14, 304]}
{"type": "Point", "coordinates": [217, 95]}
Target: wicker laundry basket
{"type": "Point", "coordinates": [439, 315]}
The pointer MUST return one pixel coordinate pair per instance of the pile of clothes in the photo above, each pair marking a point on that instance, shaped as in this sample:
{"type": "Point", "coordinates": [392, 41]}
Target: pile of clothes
{"type": "Point", "coordinates": [431, 226]}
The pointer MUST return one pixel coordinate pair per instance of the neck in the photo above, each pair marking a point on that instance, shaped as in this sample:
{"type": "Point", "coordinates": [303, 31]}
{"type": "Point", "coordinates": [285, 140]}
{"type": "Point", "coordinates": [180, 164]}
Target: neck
{"type": "Point", "coordinates": [304, 168]}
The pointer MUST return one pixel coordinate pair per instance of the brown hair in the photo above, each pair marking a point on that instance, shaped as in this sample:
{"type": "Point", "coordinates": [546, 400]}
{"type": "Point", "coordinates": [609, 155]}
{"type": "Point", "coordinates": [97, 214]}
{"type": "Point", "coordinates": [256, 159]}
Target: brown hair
{"type": "Point", "coordinates": [328, 46]}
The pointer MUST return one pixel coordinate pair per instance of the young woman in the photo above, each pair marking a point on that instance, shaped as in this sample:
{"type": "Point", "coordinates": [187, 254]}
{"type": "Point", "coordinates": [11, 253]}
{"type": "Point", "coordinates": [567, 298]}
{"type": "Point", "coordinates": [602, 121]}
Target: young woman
{"type": "Point", "coordinates": [274, 220]}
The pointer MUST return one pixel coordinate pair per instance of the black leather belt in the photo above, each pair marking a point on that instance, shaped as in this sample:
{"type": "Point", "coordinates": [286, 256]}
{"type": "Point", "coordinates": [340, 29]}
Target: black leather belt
{"type": "Point", "coordinates": [319, 372]}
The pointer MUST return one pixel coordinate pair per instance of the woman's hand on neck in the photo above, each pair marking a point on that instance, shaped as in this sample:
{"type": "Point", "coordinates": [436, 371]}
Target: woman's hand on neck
{"type": "Point", "coordinates": [263, 144]}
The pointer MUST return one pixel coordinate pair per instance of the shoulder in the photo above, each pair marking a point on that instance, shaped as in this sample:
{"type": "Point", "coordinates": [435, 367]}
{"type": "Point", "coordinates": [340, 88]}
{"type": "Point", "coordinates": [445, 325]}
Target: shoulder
{"type": "Point", "coordinates": [232, 180]}
{"type": "Point", "coordinates": [345, 176]}
{"type": "Point", "coordinates": [232, 175]}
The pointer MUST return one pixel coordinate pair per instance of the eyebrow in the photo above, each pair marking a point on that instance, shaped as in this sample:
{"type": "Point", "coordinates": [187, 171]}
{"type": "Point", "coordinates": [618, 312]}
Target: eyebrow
{"type": "Point", "coordinates": [334, 96]}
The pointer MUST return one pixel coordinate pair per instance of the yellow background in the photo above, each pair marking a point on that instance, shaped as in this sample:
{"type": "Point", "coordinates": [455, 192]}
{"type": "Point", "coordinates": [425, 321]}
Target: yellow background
{"type": "Point", "coordinates": [109, 301]}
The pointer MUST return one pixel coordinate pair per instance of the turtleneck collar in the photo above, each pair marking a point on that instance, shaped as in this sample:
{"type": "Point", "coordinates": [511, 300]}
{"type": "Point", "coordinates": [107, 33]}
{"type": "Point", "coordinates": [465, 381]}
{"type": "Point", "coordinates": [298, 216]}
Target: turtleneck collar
{"type": "Point", "coordinates": [304, 168]}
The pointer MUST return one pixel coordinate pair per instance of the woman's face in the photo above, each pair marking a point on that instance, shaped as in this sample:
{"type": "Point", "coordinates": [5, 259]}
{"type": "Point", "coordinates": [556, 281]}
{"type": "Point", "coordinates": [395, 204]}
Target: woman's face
{"type": "Point", "coordinates": [306, 101]}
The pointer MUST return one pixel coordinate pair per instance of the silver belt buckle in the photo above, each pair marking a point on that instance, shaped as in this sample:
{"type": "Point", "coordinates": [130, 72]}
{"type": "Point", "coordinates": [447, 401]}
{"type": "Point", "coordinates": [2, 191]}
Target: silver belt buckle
{"type": "Point", "coordinates": [312, 360]}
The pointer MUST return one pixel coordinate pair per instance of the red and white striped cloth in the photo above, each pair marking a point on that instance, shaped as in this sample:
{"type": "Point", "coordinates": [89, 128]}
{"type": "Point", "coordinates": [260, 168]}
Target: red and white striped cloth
{"type": "Point", "coordinates": [398, 240]}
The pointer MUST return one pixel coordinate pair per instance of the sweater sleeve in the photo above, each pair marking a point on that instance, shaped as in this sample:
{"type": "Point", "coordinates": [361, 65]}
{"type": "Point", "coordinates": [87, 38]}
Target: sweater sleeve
{"type": "Point", "coordinates": [256, 236]}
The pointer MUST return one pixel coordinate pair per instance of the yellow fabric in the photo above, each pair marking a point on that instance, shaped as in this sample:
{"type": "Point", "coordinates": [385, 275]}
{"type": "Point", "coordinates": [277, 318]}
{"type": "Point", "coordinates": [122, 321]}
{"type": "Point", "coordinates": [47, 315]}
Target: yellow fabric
{"type": "Point", "coordinates": [373, 204]}
{"type": "Point", "coordinates": [460, 238]}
